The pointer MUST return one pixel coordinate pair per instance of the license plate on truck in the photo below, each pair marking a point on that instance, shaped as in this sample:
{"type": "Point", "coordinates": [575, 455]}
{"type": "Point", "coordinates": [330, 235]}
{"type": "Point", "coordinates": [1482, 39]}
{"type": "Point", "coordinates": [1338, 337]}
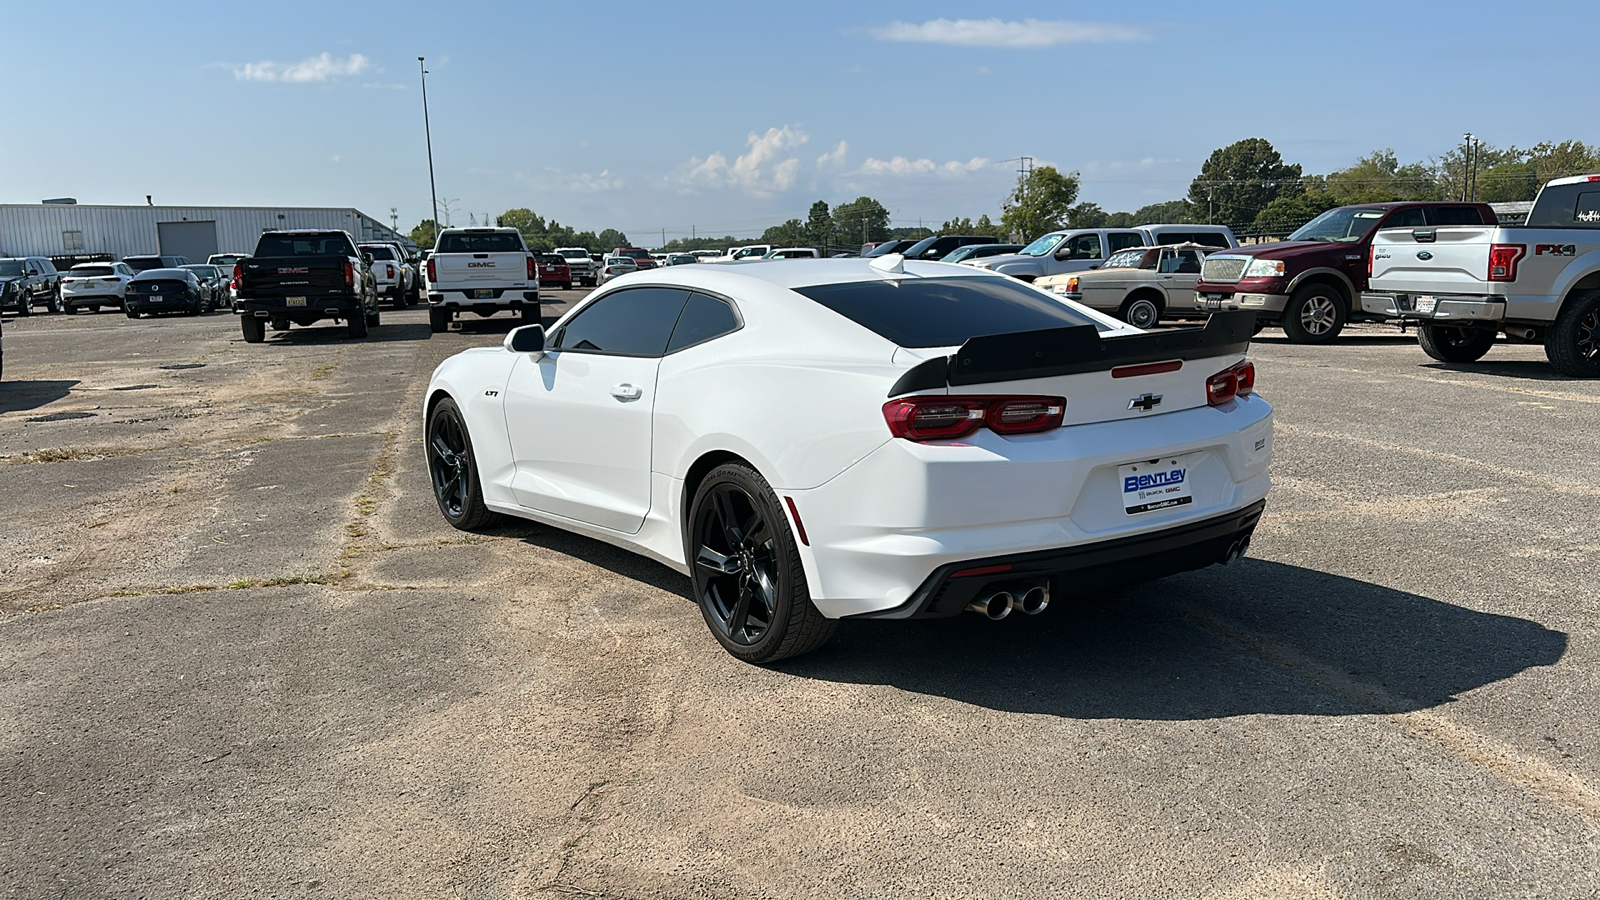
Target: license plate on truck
{"type": "Point", "coordinates": [294, 301]}
{"type": "Point", "coordinates": [1425, 304]}
{"type": "Point", "coordinates": [483, 294]}
{"type": "Point", "coordinates": [1159, 484]}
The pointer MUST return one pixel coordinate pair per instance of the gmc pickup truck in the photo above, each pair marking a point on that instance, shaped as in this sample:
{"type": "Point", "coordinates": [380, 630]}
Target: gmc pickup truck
{"type": "Point", "coordinates": [1311, 283]}
{"type": "Point", "coordinates": [390, 272]}
{"type": "Point", "coordinates": [1466, 284]}
{"type": "Point", "coordinates": [483, 271]}
{"type": "Point", "coordinates": [303, 277]}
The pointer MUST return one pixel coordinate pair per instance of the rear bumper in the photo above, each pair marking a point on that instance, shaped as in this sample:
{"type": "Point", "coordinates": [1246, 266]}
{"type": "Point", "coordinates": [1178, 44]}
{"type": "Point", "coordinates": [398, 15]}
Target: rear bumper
{"type": "Point", "coordinates": [85, 299]}
{"type": "Point", "coordinates": [312, 306]}
{"type": "Point", "coordinates": [510, 298]}
{"type": "Point", "coordinates": [1435, 307]}
{"type": "Point", "coordinates": [172, 303]}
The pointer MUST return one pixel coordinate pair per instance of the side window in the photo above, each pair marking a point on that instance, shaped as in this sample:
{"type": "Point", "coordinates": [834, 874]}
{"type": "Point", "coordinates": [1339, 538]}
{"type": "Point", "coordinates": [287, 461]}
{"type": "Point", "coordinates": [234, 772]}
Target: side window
{"type": "Point", "coordinates": [703, 318]}
{"type": "Point", "coordinates": [630, 322]}
{"type": "Point", "coordinates": [1406, 218]}
{"type": "Point", "coordinates": [1122, 241]}
{"type": "Point", "coordinates": [1188, 262]}
{"type": "Point", "coordinates": [1084, 246]}
{"type": "Point", "coordinates": [1455, 215]}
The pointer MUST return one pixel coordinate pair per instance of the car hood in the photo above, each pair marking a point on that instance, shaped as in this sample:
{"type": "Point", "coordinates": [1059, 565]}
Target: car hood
{"type": "Point", "coordinates": [1006, 258]}
{"type": "Point", "coordinates": [4, 278]}
{"type": "Point", "coordinates": [1283, 249]}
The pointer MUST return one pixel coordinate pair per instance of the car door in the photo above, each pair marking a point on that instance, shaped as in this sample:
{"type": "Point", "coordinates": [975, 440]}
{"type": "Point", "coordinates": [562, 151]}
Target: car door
{"type": "Point", "coordinates": [1179, 275]}
{"type": "Point", "coordinates": [580, 415]}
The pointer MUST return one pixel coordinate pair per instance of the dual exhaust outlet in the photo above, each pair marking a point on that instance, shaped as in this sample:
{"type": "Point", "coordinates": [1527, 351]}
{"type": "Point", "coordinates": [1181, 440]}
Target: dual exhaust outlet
{"type": "Point", "coordinates": [998, 602]}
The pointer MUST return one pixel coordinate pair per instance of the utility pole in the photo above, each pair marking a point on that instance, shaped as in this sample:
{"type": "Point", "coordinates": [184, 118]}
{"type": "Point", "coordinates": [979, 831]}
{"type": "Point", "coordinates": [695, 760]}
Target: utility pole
{"type": "Point", "coordinates": [394, 219]}
{"type": "Point", "coordinates": [1466, 164]}
{"type": "Point", "coordinates": [446, 204]}
{"type": "Point", "coordinates": [427, 129]}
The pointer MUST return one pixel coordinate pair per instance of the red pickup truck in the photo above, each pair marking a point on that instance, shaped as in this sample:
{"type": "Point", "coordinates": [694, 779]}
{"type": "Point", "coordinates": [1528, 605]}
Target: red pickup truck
{"type": "Point", "coordinates": [1311, 283]}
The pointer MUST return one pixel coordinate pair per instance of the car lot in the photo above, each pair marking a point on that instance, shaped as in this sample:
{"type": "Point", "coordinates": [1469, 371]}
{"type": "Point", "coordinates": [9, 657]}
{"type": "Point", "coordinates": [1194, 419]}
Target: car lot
{"type": "Point", "coordinates": [242, 653]}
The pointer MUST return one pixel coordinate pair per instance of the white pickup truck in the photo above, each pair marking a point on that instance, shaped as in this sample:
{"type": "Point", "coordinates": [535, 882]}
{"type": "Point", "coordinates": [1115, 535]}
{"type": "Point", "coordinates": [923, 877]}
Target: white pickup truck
{"type": "Point", "coordinates": [390, 271]}
{"type": "Point", "coordinates": [585, 271]}
{"type": "Point", "coordinates": [1465, 284]}
{"type": "Point", "coordinates": [483, 271]}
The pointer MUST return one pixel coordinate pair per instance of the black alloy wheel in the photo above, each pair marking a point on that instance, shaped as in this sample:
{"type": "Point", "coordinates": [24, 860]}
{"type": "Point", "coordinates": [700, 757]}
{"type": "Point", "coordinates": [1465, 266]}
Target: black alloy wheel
{"type": "Point", "coordinates": [747, 575]}
{"type": "Point", "coordinates": [452, 469]}
{"type": "Point", "coordinates": [1573, 343]}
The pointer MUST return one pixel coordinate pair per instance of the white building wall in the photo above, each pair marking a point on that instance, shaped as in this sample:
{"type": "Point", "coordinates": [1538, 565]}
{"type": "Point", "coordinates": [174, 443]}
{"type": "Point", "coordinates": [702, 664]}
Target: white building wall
{"type": "Point", "coordinates": [37, 229]}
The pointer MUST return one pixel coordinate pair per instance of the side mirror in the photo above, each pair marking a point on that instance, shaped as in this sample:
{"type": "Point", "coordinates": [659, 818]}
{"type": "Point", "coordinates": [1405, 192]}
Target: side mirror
{"type": "Point", "coordinates": [527, 339]}
{"type": "Point", "coordinates": [366, 257]}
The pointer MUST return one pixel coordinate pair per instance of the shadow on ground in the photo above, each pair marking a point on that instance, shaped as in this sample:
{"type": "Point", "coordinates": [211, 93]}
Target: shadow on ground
{"type": "Point", "coordinates": [1351, 340]}
{"type": "Point", "coordinates": [337, 334]}
{"type": "Point", "coordinates": [1526, 369]}
{"type": "Point", "coordinates": [17, 396]}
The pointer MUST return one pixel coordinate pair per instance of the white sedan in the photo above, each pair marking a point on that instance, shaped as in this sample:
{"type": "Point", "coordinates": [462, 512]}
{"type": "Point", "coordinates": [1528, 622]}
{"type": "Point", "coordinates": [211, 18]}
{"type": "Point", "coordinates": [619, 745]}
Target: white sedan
{"type": "Point", "coordinates": [811, 441]}
{"type": "Point", "coordinates": [94, 285]}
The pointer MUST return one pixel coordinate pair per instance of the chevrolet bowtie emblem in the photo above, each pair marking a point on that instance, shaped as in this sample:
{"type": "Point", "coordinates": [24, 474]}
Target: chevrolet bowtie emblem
{"type": "Point", "coordinates": [1145, 402]}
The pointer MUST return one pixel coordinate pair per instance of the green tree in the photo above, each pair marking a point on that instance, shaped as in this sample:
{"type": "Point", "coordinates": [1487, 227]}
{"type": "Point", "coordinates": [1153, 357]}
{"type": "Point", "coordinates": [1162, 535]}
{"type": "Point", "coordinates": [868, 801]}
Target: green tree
{"type": "Point", "coordinates": [425, 234]}
{"type": "Point", "coordinates": [1509, 181]}
{"type": "Point", "coordinates": [1170, 212]}
{"type": "Point", "coordinates": [1238, 181]}
{"type": "Point", "coordinates": [1287, 213]}
{"type": "Point", "coordinates": [959, 226]}
{"type": "Point", "coordinates": [819, 225]}
{"type": "Point", "coordinates": [1453, 169]}
{"type": "Point", "coordinates": [1040, 203]}
{"type": "Point", "coordinates": [863, 218]}
{"type": "Point", "coordinates": [1378, 177]}
{"type": "Point", "coordinates": [1087, 215]}
{"type": "Point", "coordinates": [611, 239]}
{"type": "Point", "coordinates": [984, 226]}
{"type": "Point", "coordinates": [1563, 159]}
{"type": "Point", "coordinates": [788, 234]}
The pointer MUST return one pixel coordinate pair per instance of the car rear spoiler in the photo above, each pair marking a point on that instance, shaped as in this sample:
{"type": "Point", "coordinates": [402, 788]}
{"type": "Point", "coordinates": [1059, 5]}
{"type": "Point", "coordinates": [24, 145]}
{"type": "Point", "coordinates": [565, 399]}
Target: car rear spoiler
{"type": "Point", "coordinates": [1071, 351]}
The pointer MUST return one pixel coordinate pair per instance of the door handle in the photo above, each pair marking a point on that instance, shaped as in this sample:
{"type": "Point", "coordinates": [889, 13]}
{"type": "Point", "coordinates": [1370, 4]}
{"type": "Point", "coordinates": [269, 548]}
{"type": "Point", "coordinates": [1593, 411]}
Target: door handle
{"type": "Point", "coordinates": [627, 392]}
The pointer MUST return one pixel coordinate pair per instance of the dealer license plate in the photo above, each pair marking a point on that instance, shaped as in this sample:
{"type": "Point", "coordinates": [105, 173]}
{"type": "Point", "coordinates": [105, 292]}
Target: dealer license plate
{"type": "Point", "coordinates": [1149, 486]}
{"type": "Point", "coordinates": [294, 301]}
{"type": "Point", "coordinates": [483, 294]}
{"type": "Point", "coordinates": [1425, 304]}
{"type": "Point", "coordinates": [1211, 303]}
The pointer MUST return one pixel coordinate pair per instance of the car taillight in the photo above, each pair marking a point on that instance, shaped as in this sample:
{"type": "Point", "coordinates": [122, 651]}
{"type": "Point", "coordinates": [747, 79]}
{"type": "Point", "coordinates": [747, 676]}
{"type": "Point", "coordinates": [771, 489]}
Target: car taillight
{"type": "Point", "coordinates": [388, 270]}
{"type": "Point", "coordinates": [1503, 261]}
{"type": "Point", "coordinates": [533, 271]}
{"type": "Point", "coordinates": [433, 274]}
{"type": "Point", "coordinates": [349, 274]}
{"type": "Point", "coordinates": [238, 274]}
{"type": "Point", "coordinates": [1238, 380]}
{"type": "Point", "coordinates": [1371, 249]}
{"type": "Point", "coordinates": [1072, 285]}
{"type": "Point", "coordinates": [945, 418]}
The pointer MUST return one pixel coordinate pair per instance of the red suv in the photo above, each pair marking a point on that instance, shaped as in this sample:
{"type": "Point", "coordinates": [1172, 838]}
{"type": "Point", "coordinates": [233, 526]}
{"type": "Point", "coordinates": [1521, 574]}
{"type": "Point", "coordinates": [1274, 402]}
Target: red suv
{"type": "Point", "coordinates": [641, 258]}
{"type": "Point", "coordinates": [553, 269]}
{"type": "Point", "coordinates": [1311, 283]}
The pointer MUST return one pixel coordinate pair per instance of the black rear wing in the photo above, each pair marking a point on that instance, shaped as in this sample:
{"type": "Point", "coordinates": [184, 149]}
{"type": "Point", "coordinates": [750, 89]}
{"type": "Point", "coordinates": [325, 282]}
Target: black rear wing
{"type": "Point", "coordinates": [1071, 351]}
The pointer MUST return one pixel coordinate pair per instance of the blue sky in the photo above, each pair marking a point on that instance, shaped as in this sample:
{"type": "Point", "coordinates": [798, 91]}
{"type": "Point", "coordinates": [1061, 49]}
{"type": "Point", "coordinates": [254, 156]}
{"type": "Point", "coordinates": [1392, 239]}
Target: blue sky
{"type": "Point", "coordinates": [730, 117]}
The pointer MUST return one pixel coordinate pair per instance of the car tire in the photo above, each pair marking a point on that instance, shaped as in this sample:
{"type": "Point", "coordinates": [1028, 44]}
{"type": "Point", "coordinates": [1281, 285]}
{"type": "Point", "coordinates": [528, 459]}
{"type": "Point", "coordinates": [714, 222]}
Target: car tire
{"type": "Point", "coordinates": [373, 317]}
{"type": "Point", "coordinates": [1573, 343]}
{"type": "Point", "coordinates": [253, 329]}
{"type": "Point", "coordinates": [453, 470]}
{"type": "Point", "coordinates": [742, 554]}
{"type": "Point", "coordinates": [1455, 343]}
{"type": "Point", "coordinates": [1140, 311]}
{"type": "Point", "coordinates": [69, 309]}
{"type": "Point", "coordinates": [55, 304]}
{"type": "Point", "coordinates": [438, 319]}
{"type": "Point", "coordinates": [566, 285]}
{"type": "Point", "coordinates": [1315, 315]}
{"type": "Point", "coordinates": [132, 314]}
{"type": "Point", "coordinates": [531, 315]}
{"type": "Point", "coordinates": [356, 324]}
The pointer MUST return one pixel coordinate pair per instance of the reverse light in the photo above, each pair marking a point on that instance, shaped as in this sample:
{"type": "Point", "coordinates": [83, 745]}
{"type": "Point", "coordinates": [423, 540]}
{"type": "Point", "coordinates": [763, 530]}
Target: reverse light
{"type": "Point", "coordinates": [1264, 268]}
{"type": "Point", "coordinates": [1503, 261]}
{"type": "Point", "coordinates": [1237, 380]}
{"type": "Point", "coordinates": [948, 418]}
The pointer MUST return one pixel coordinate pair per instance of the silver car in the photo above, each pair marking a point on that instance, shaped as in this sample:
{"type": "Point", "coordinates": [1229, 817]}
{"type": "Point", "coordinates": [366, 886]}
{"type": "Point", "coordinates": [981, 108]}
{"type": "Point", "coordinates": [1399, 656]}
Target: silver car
{"type": "Point", "coordinates": [1140, 285]}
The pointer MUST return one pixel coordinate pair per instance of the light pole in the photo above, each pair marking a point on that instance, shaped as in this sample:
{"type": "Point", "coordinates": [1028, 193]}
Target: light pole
{"type": "Point", "coordinates": [428, 131]}
{"type": "Point", "coordinates": [1469, 162]}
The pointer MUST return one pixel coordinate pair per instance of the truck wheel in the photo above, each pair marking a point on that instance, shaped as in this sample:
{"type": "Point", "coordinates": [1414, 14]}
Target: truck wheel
{"type": "Point", "coordinates": [372, 318]}
{"type": "Point", "coordinates": [356, 325]}
{"type": "Point", "coordinates": [69, 309]}
{"type": "Point", "coordinates": [1315, 315]}
{"type": "Point", "coordinates": [254, 330]}
{"type": "Point", "coordinates": [1140, 311]}
{"type": "Point", "coordinates": [438, 319]}
{"type": "Point", "coordinates": [1455, 343]}
{"type": "Point", "coordinates": [55, 301]}
{"type": "Point", "coordinates": [1573, 343]}
{"type": "Point", "coordinates": [530, 315]}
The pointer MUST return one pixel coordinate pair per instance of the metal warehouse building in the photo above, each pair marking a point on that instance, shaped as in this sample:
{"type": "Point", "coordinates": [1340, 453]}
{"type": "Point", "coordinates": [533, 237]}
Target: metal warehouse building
{"type": "Point", "coordinates": [68, 230]}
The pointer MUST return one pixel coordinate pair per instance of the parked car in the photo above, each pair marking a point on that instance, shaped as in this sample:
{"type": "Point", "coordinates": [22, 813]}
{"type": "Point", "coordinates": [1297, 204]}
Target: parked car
{"type": "Point", "coordinates": [972, 252]}
{"type": "Point", "coordinates": [641, 257]}
{"type": "Point", "coordinates": [1311, 283]}
{"type": "Point", "coordinates": [1139, 285]}
{"type": "Point", "coordinates": [706, 255]}
{"type": "Point", "coordinates": [616, 267]}
{"type": "Point", "coordinates": [660, 258]}
{"type": "Point", "coordinates": [93, 285]}
{"type": "Point", "coordinates": [482, 271]}
{"type": "Point", "coordinates": [681, 259]}
{"type": "Point", "coordinates": [226, 260]}
{"type": "Point", "coordinates": [390, 272]}
{"type": "Point", "coordinates": [792, 253]}
{"type": "Point", "coordinates": [679, 419]}
{"type": "Point", "coordinates": [27, 281]}
{"type": "Point", "coordinates": [753, 251]}
{"type": "Point", "coordinates": [146, 263]}
{"type": "Point", "coordinates": [585, 271]}
{"type": "Point", "coordinates": [884, 248]}
{"type": "Point", "coordinates": [1467, 283]}
{"type": "Point", "coordinates": [939, 247]}
{"type": "Point", "coordinates": [174, 290]}
{"type": "Point", "coordinates": [302, 277]}
{"type": "Point", "coordinates": [553, 270]}
{"type": "Point", "coordinates": [213, 285]}
{"type": "Point", "coordinates": [1078, 249]}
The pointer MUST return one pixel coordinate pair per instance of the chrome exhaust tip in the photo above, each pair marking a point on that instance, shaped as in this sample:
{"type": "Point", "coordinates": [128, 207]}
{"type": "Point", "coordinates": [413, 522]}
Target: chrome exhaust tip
{"type": "Point", "coordinates": [996, 605]}
{"type": "Point", "coordinates": [1237, 551]}
{"type": "Point", "coordinates": [1034, 600]}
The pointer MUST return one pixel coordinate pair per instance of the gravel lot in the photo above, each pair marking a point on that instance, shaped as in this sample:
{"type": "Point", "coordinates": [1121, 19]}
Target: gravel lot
{"type": "Point", "coordinates": [242, 655]}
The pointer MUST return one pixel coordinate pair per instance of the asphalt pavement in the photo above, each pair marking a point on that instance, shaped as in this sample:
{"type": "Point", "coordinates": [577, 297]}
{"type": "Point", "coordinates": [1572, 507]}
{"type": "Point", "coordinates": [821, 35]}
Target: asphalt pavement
{"type": "Point", "coordinates": [241, 654]}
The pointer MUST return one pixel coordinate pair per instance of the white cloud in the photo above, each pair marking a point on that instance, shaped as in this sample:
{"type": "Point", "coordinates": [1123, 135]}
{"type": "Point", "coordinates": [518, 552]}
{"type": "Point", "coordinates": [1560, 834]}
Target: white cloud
{"type": "Point", "coordinates": [901, 166]}
{"type": "Point", "coordinates": [834, 157]}
{"type": "Point", "coordinates": [768, 167]}
{"type": "Point", "coordinates": [316, 68]}
{"type": "Point", "coordinates": [582, 183]}
{"type": "Point", "coordinates": [1028, 34]}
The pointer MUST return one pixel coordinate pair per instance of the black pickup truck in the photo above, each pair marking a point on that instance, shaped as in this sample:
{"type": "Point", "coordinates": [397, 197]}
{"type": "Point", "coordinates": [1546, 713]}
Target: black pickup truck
{"type": "Point", "coordinates": [302, 277]}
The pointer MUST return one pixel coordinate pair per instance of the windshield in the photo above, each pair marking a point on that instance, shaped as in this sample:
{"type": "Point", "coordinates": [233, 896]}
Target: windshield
{"type": "Point", "coordinates": [1042, 246]}
{"type": "Point", "coordinates": [1347, 225]}
{"type": "Point", "coordinates": [550, 259]}
{"type": "Point", "coordinates": [84, 271]}
{"type": "Point", "coordinates": [469, 242]}
{"type": "Point", "coordinates": [225, 259]}
{"type": "Point", "coordinates": [379, 252]}
{"type": "Point", "coordinates": [573, 254]}
{"type": "Point", "coordinates": [11, 267]}
{"type": "Point", "coordinates": [945, 312]}
{"type": "Point", "coordinates": [144, 263]}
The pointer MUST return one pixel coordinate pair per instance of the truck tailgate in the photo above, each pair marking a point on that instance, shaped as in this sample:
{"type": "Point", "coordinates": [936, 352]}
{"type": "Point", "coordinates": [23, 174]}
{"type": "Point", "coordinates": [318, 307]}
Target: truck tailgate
{"type": "Point", "coordinates": [309, 275]}
{"type": "Point", "coordinates": [481, 269]}
{"type": "Point", "coordinates": [1455, 261]}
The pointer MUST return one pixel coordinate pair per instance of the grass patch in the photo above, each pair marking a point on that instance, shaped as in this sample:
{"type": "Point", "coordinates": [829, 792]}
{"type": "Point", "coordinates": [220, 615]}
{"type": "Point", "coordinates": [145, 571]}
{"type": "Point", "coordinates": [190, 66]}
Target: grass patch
{"type": "Point", "coordinates": [321, 372]}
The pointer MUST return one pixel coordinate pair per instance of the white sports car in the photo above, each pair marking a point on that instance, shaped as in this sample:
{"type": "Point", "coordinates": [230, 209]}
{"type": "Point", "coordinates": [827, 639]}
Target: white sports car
{"type": "Point", "coordinates": [826, 439]}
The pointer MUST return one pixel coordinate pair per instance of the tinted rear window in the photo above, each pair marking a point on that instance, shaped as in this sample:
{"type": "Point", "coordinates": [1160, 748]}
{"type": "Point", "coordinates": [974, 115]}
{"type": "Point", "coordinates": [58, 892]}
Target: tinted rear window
{"type": "Point", "coordinates": [303, 245]}
{"type": "Point", "coordinates": [1456, 215]}
{"type": "Point", "coordinates": [479, 243]}
{"type": "Point", "coordinates": [379, 252]}
{"type": "Point", "coordinates": [1203, 238]}
{"type": "Point", "coordinates": [91, 271]}
{"type": "Point", "coordinates": [145, 263]}
{"type": "Point", "coordinates": [945, 312]}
